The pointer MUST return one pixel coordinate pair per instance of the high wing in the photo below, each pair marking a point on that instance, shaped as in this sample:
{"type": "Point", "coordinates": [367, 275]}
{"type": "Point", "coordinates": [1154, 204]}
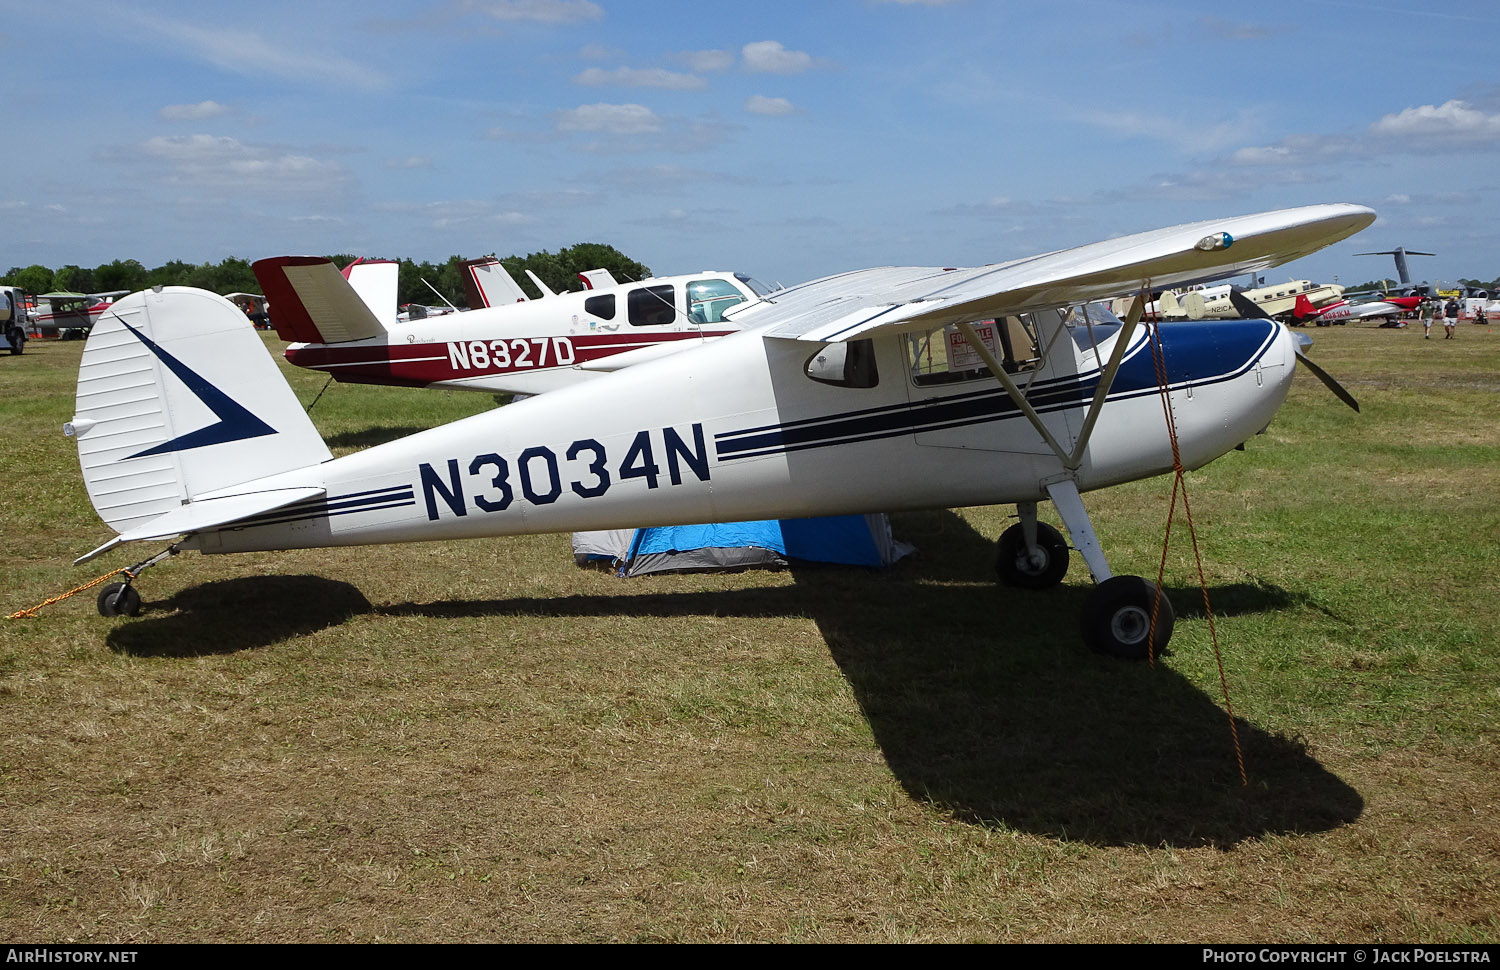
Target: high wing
{"type": "Point", "coordinates": [852, 305]}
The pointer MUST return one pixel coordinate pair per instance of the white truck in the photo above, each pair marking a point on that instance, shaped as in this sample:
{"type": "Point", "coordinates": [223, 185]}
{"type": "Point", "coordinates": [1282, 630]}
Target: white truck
{"type": "Point", "coordinates": [13, 321]}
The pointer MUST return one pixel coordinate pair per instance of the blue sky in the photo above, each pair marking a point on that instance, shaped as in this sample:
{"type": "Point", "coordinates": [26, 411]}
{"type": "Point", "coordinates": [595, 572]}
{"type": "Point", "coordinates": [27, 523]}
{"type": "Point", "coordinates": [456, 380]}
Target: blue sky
{"type": "Point", "coordinates": [784, 139]}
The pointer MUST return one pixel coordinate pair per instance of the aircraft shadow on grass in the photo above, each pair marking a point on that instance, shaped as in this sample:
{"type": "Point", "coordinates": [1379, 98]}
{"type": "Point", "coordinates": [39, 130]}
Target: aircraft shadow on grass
{"type": "Point", "coordinates": [230, 615]}
{"type": "Point", "coordinates": [982, 699]}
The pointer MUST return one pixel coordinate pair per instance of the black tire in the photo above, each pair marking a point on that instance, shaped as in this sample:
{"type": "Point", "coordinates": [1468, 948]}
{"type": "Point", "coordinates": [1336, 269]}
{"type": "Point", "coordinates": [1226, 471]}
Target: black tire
{"type": "Point", "coordinates": [17, 342]}
{"type": "Point", "coordinates": [118, 599]}
{"type": "Point", "coordinates": [1117, 618]}
{"type": "Point", "coordinates": [1013, 566]}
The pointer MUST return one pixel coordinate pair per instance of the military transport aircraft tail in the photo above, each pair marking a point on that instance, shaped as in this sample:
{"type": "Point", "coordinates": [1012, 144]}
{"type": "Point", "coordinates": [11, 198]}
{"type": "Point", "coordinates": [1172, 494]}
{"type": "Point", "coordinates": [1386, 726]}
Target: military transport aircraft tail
{"type": "Point", "coordinates": [179, 403]}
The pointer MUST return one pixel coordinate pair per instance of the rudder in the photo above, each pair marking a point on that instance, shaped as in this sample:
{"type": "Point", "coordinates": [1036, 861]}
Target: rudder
{"type": "Point", "coordinates": [178, 398]}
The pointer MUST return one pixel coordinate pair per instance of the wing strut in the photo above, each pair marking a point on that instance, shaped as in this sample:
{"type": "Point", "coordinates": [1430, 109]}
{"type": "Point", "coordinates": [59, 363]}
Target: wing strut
{"type": "Point", "coordinates": [1016, 396]}
{"type": "Point", "coordinates": [1070, 462]}
{"type": "Point", "coordinates": [1106, 381]}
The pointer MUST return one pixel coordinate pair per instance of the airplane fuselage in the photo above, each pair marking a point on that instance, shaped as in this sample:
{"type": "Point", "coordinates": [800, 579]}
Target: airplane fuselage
{"type": "Point", "coordinates": [740, 429]}
{"type": "Point", "coordinates": [537, 345]}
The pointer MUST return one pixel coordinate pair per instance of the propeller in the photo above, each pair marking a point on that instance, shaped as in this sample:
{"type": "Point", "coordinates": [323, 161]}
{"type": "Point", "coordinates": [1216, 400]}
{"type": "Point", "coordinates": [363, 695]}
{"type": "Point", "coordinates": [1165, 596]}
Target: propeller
{"type": "Point", "coordinates": [1250, 310]}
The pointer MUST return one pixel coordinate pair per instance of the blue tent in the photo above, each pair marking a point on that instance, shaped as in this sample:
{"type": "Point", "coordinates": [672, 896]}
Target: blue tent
{"type": "Point", "coordinates": [857, 540]}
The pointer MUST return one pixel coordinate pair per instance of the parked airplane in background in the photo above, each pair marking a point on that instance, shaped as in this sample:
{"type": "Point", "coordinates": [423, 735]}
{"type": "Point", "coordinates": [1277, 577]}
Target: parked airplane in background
{"type": "Point", "coordinates": [524, 347]}
{"type": "Point", "coordinates": [1390, 307]}
{"type": "Point", "coordinates": [69, 315]}
{"type": "Point", "coordinates": [1211, 303]}
{"type": "Point", "coordinates": [880, 390]}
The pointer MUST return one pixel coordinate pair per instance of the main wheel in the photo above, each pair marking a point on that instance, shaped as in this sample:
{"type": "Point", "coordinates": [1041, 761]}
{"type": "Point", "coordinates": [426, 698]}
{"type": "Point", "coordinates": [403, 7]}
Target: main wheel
{"type": "Point", "coordinates": [118, 599]}
{"type": "Point", "coordinates": [1015, 566]}
{"type": "Point", "coordinates": [1117, 618]}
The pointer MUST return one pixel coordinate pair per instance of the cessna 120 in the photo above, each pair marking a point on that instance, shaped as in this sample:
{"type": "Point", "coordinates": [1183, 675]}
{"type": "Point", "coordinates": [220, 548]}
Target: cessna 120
{"type": "Point", "coordinates": [880, 390]}
{"type": "Point", "coordinates": [519, 347]}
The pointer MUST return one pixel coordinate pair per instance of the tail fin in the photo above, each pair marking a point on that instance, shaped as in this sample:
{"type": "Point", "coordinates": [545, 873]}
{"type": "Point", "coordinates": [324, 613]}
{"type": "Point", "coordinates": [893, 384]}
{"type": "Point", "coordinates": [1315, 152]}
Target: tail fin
{"type": "Point", "coordinates": [486, 283]}
{"type": "Point", "coordinates": [1303, 308]}
{"type": "Point", "coordinates": [377, 282]}
{"type": "Point", "coordinates": [178, 402]}
{"type": "Point", "coordinates": [596, 279]}
{"type": "Point", "coordinates": [311, 302]}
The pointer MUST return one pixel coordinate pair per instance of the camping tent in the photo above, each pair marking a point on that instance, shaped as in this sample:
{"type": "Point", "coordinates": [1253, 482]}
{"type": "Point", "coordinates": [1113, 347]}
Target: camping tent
{"type": "Point", "coordinates": [858, 540]}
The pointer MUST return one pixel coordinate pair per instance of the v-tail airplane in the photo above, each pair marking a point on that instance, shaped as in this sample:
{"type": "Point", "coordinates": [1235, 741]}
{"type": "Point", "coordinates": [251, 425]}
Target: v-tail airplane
{"type": "Point", "coordinates": [880, 390]}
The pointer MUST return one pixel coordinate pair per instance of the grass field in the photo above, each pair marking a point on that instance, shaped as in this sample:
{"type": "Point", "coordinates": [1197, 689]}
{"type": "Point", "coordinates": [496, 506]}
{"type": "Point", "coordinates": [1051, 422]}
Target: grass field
{"type": "Point", "coordinates": [480, 741]}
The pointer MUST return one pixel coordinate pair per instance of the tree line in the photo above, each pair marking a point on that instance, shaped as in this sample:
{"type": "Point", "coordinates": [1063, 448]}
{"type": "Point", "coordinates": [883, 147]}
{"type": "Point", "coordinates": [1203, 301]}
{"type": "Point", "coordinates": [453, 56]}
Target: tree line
{"type": "Point", "coordinates": [558, 270]}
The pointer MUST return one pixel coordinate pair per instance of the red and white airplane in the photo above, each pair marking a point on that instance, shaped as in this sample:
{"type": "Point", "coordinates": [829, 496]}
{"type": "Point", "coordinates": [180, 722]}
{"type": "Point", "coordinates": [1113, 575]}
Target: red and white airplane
{"type": "Point", "coordinates": [880, 390]}
{"type": "Point", "coordinates": [69, 315]}
{"type": "Point", "coordinates": [340, 325]}
{"type": "Point", "coordinates": [1390, 307]}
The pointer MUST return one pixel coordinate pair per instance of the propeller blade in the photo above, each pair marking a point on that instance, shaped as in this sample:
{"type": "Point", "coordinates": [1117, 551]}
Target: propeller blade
{"type": "Point", "coordinates": [1245, 306]}
{"type": "Point", "coordinates": [1327, 379]}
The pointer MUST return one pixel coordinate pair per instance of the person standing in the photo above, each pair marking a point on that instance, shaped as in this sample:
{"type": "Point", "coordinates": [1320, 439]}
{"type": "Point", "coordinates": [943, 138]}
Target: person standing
{"type": "Point", "coordinates": [1430, 309]}
{"type": "Point", "coordinates": [1450, 319]}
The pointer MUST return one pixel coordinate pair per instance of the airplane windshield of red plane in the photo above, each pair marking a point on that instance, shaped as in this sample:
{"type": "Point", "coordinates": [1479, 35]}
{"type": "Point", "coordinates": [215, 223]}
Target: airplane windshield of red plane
{"type": "Point", "coordinates": [756, 286]}
{"type": "Point", "coordinates": [708, 299]}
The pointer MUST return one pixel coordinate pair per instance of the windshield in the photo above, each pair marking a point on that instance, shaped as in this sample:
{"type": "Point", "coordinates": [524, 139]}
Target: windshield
{"type": "Point", "coordinates": [756, 286]}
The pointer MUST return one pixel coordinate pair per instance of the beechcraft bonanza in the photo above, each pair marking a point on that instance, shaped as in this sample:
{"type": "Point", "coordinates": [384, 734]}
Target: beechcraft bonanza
{"type": "Point", "coordinates": [339, 324]}
{"type": "Point", "coordinates": [880, 390]}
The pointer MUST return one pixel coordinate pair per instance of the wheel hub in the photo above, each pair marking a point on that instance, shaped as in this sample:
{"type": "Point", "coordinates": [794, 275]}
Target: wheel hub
{"type": "Point", "coordinates": [1130, 624]}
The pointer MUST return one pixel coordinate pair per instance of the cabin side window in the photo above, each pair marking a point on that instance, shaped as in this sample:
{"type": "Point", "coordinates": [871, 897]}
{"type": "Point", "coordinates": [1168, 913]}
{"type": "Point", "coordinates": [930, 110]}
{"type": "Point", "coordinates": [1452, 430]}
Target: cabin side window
{"type": "Point", "coordinates": [652, 306]}
{"type": "Point", "coordinates": [944, 356]}
{"type": "Point", "coordinates": [708, 299]}
{"type": "Point", "coordinates": [602, 307]}
{"type": "Point", "coordinates": [849, 364]}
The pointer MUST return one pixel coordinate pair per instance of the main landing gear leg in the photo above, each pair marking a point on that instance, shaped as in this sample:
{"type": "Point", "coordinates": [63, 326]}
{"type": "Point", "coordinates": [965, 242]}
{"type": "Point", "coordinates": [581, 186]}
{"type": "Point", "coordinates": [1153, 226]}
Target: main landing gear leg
{"type": "Point", "coordinates": [1031, 555]}
{"type": "Point", "coordinates": [122, 599]}
{"type": "Point", "coordinates": [1125, 616]}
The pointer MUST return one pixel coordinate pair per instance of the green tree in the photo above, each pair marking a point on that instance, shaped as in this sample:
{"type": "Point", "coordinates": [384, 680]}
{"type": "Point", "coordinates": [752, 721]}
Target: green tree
{"type": "Point", "coordinates": [33, 279]}
{"type": "Point", "coordinates": [74, 279]}
{"type": "Point", "coordinates": [121, 275]}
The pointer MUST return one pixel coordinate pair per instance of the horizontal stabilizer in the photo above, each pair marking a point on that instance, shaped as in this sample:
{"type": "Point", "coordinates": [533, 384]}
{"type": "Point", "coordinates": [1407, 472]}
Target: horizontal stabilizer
{"type": "Point", "coordinates": [311, 302]}
{"type": "Point", "coordinates": [207, 514]}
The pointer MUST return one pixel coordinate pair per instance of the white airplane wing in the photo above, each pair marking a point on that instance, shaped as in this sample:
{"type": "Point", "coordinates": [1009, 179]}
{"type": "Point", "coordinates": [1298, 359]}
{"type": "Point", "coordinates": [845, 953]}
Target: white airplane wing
{"type": "Point", "coordinates": [847, 307]}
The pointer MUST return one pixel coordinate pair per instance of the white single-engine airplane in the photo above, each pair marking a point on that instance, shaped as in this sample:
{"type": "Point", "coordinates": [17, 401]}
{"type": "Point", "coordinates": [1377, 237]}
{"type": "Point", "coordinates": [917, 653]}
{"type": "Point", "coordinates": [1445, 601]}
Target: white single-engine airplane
{"type": "Point", "coordinates": [519, 347]}
{"type": "Point", "coordinates": [880, 390]}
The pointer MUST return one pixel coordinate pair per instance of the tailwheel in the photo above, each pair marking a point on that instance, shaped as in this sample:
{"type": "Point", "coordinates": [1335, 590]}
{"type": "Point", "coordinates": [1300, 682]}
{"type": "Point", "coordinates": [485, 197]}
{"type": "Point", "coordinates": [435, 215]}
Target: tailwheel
{"type": "Point", "coordinates": [119, 599]}
{"type": "Point", "coordinates": [1117, 618]}
{"type": "Point", "coordinates": [1042, 569]}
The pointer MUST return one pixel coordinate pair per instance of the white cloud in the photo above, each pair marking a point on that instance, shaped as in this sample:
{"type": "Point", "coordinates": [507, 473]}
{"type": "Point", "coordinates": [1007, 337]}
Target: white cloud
{"type": "Point", "coordinates": [1453, 120]}
{"type": "Point", "coordinates": [612, 119]}
{"type": "Point", "coordinates": [411, 162]}
{"type": "Point", "coordinates": [248, 53]}
{"type": "Point", "coordinates": [226, 163]}
{"type": "Point", "coordinates": [759, 104]}
{"type": "Point", "coordinates": [769, 57]}
{"type": "Point", "coordinates": [538, 11]}
{"type": "Point", "coordinates": [710, 61]}
{"type": "Point", "coordinates": [642, 77]}
{"type": "Point", "coordinates": [201, 111]}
